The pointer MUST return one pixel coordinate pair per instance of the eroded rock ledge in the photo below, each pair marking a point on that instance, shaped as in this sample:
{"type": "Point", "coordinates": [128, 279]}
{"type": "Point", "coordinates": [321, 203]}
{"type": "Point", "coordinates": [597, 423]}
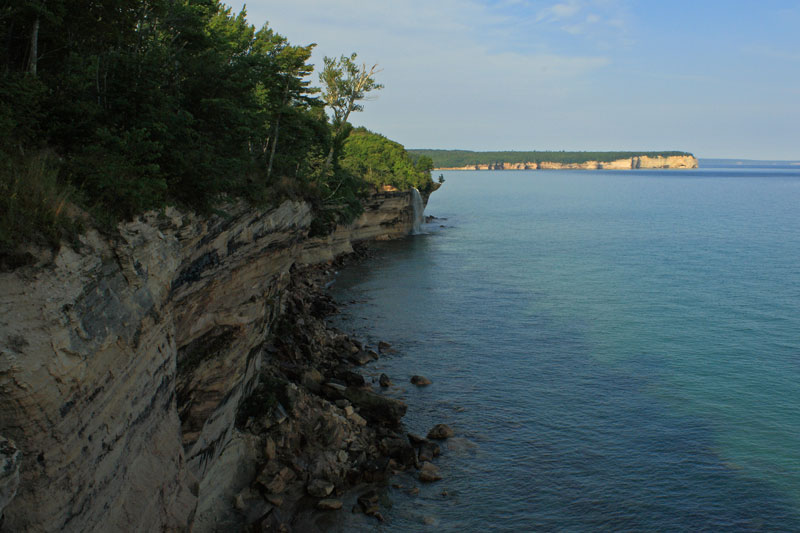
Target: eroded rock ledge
{"type": "Point", "coordinates": [123, 365]}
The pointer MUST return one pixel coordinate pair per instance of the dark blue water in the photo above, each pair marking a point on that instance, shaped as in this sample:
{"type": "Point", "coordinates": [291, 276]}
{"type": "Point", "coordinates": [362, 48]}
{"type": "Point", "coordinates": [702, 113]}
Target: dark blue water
{"type": "Point", "coordinates": [617, 351]}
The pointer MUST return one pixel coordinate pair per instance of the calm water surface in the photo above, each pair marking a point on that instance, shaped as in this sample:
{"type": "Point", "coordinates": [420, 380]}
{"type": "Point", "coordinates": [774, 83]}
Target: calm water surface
{"type": "Point", "coordinates": [615, 350]}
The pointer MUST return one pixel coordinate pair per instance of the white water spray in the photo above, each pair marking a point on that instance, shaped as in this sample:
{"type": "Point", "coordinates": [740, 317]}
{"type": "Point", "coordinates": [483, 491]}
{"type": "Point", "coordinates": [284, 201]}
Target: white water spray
{"type": "Point", "coordinates": [419, 210]}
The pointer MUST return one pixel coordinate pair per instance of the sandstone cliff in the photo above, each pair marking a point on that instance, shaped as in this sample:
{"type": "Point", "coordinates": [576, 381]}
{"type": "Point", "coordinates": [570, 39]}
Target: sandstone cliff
{"type": "Point", "coordinates": [644, 161]}
{"type": "Point", "coordinates": [123, 364]}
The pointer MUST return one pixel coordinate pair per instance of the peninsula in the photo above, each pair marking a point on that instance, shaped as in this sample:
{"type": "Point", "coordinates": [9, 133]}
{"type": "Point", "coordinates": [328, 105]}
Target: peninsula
{"type": "Point", "coordinates": [551, 160]}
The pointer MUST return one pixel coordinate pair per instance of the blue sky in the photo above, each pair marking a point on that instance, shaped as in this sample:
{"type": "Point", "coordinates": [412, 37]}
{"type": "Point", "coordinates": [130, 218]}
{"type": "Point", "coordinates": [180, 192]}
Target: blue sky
{"type": "Point", "coordinates": [716, 78]}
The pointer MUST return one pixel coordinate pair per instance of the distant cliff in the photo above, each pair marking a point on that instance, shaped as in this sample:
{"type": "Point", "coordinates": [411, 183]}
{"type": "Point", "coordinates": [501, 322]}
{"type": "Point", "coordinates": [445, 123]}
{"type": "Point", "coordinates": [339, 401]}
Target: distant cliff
{"type": "Point", "coordinates": [123, 364]}
{"type": "Point", "coordinates": [635, 162]}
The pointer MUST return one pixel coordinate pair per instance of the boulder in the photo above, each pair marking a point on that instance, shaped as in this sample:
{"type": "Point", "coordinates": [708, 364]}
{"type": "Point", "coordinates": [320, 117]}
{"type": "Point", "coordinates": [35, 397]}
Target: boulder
{"type": "Point", "coordinates": [415, 439]}
{"type": "Point", "coordinates": [440, 432]}
{"type": "Point", "coordinates": [376, 407]}
{"type": "Point", "coordinates": [384, 380]}
{"type": "Point", "coordinates": [420, 381]}
{"type": "Point", "coordinates": [353, 379]}
{"type": "Point", "coordinates": [320, 488]}
{"type": "Point", "coordinates": [428, 450]}
{"type": "Point", "coordinates": [398, 449]}
{"type": "Point", "coordinates": [361, 358]}
{"type": "Point", "coordinates": [329, 505]}
{"type": "Point", "coordinates": [429, 473]}
{"type": "Point", "coordinates": [384, 347]}
{"type": "Point", "coordinates": [275, 484]}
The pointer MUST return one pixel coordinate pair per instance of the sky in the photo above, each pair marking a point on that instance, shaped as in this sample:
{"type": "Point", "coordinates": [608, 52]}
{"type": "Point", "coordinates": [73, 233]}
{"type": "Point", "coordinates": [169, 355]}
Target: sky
{"type": "Point", "coordinates": [720, 79]}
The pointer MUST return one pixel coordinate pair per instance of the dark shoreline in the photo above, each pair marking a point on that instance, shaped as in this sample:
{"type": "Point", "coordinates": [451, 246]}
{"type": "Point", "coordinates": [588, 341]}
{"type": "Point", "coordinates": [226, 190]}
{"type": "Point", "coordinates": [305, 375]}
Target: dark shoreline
{"type": "Point", "coordinates": [320, 423]}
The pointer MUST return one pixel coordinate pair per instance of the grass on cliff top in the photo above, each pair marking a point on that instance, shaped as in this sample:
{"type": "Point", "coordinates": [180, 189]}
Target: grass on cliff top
{"type": "Point", "coordinates": [35, 209]}
{"type": "Point", "coordinates": [462, 158]}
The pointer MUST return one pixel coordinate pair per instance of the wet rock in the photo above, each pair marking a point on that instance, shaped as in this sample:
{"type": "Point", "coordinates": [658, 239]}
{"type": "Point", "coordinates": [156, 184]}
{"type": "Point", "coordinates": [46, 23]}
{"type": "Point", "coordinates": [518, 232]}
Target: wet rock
{"type": "Point", "coordinates": [361, 358]}
{"type": "Point", "coordinates": [428, 450]}
{"type": "Point", "coordinates": [329, 505]}
{"type": "Point", "coordinates": [429, 473]}
{"type": "Point", "coordinates": [373, 354]}
{"type": "Point", "coordinates": [415, 439]}
{"type": "Point", "coordinates": [398, 449]}
{"type": "Point", "coordinates": [384, 347]}
{"type": "Point", "coordinates": [320, 488]}
{"type": "Point", "coordinates": [375, 407]}
{"type": "Point", "coordinates": [440, 432]}
{"type": "Point", "coordinates": [420, 381]}
{"type": "Point", "coordinates": [384, 380]}
{"type": "Point", "coordinates": [368, 501]}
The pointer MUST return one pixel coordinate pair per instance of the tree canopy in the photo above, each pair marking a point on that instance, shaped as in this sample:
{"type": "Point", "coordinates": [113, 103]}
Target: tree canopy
{"type": "Point", "coordinates": [381, 161]}
{"type": "Point", "coordinates": [128, 105]}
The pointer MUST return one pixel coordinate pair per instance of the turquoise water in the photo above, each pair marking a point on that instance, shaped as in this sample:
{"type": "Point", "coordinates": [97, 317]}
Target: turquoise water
{"type": "Point", "coordinates": [615, 350]}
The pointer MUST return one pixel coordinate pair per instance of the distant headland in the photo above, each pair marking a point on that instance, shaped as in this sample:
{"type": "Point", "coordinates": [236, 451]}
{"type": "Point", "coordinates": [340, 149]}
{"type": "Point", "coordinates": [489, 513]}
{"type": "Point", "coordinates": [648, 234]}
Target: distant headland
{"type": "Point", "coordinates": [551, 160]}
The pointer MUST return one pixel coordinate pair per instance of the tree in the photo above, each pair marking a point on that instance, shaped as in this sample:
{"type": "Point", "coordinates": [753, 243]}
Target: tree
{"type": "Point", "coordinates": [344, 85]}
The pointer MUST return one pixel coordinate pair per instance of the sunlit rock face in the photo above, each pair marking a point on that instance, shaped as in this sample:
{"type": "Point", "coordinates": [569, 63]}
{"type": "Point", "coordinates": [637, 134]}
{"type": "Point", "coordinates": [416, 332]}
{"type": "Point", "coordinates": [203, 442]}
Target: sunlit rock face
{"type": "Point", "coordinates": [673, 161]}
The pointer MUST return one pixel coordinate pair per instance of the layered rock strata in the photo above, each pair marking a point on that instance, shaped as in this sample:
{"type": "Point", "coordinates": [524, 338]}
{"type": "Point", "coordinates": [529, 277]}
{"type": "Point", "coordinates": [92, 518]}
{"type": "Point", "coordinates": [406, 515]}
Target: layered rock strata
{"type": "Point", "coordinates": [123, 364]}
{"type": "Point", "coordinates": [638, 162]}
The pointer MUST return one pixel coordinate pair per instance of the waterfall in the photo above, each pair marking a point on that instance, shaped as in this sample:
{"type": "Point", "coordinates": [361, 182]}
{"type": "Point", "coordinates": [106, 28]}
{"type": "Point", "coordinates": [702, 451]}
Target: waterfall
{"type": "Point", "coordinates": [419, 210]}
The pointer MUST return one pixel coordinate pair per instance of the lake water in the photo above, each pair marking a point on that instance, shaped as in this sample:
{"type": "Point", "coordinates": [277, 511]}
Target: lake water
{"type": "Point", "coordinates": [616, 351]}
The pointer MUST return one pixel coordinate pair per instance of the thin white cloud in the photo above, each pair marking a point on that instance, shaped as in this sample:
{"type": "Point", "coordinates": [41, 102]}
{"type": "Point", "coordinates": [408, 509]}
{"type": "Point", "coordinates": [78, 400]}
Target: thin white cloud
{"type": "Point", "coordinates": [558, 12]}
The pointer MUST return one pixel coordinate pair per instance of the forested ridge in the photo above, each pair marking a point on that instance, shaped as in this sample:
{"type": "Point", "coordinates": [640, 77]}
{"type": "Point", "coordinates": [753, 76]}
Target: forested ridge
{"type": "Point", "coordinates": [109, 108]}
{"type": "Point", "coordinates": [463, 158]}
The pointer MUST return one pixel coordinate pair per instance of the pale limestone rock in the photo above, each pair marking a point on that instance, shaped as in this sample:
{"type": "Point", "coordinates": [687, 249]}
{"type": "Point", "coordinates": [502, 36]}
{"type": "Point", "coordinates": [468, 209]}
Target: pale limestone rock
{"type": "Point", "coordinates": [122, 365]}
{"type": "Point", "coordinates": [674, 161]}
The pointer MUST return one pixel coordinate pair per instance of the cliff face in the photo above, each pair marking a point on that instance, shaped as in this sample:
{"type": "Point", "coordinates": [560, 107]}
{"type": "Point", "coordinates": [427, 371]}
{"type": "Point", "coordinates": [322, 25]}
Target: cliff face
{"type": "Point", "coordinates": [620, 164]}
{"type": "Point", "coordinates": [122, 365]}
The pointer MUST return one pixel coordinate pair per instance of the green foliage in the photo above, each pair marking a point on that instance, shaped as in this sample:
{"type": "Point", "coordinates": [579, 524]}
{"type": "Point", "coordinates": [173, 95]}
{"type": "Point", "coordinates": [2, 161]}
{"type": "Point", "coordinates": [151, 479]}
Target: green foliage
{"type": "Point", "coordinates": [383, 162]}
{"type": "Point", "coordinates": [346, 84]}
{"type": "Point", "coordinates": [463, 158]}
{"type": "Point", "coordinates": [153, 102]}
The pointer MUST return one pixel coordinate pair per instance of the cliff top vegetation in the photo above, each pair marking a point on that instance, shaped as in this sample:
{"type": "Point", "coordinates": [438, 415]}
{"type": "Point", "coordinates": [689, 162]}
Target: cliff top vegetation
{"type": "Point", "coordinates": [119, 107]}
{"type": "Point", "coordinates": [384, 162]}
{"type": "Point", "coordinates": [463, 158]}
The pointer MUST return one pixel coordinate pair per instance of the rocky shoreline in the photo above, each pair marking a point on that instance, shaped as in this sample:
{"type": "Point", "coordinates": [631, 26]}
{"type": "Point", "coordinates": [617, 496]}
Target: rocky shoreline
{"type": "Point", "coordinates": [322, 429]}
{"type": "Point", "coordinates": [127, 368]}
